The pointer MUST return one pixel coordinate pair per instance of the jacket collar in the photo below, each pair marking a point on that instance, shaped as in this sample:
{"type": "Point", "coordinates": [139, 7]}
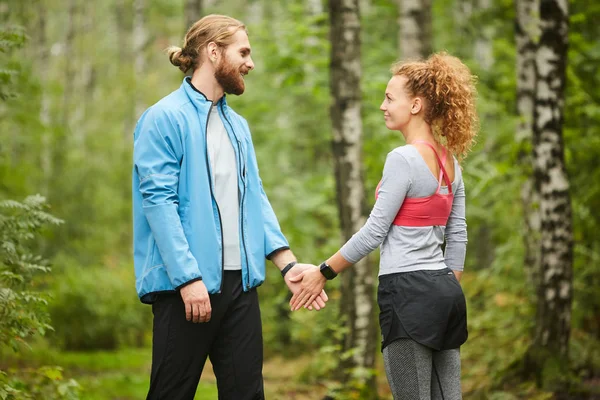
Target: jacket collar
{"type": "Point", "coordinates": [197, 97]}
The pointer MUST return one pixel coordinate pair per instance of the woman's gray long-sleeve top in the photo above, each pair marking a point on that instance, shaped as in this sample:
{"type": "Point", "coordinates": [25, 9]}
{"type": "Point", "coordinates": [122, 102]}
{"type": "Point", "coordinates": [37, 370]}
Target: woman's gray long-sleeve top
{"type": "Point", "coordinates": [407, 248]}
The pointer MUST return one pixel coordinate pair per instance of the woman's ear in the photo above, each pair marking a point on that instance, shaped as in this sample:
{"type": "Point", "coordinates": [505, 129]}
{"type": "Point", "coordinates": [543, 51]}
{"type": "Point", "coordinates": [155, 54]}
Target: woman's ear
{"type": "Point", "coordinates": [417, 104]}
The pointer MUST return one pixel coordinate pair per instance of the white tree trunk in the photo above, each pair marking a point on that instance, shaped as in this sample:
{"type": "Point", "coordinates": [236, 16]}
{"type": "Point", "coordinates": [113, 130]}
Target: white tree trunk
{"type": "Point", "coordinates": [483, 50]}
{"type": "Point", "coordinates": [414, 35]}
{"type": "Point", "coordinates": [357, 302]}
{"type": "Point", "coordinates": [193, 12]}
{"type": "Point", "coordinates": [44, 62]}
{"type": "Point", "coordinates": [526, 32]}
{"type": "Point", "coordinates": [69, 64]}
{"type": "Point", "coordinates": [140, 39]}
{"type": "Point", "coordinates": [553, 322]}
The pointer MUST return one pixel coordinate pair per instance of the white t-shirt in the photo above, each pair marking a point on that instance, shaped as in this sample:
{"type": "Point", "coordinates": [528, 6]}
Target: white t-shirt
{"type": "Point", "coordinates": [223, 164]}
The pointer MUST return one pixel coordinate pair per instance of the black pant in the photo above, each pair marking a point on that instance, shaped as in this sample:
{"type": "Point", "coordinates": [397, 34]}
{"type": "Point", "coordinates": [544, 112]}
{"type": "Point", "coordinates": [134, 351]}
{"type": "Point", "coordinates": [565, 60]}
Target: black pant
{"type": "Point", "coordinates": [232, 339]}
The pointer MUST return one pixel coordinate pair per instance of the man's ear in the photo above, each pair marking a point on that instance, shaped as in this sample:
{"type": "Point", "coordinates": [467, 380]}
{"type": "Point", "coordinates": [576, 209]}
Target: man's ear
{"type": "Point", "coordinates": [212, 52]}
{"type": "Point", "coordinates": [417, 105]}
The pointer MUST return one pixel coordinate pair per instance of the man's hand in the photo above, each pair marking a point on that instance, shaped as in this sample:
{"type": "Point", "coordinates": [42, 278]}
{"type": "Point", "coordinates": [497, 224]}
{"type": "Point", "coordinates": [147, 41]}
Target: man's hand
{"type": "Point", "coordinates": [311, 283]}
{"type": "Point", "coordinates": [295, 286]}
{"type": "Point", "coordinates": [197, 302]}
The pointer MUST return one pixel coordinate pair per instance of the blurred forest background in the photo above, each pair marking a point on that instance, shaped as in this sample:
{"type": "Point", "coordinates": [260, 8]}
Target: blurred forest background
{"type": "Point", "coordinates": [75, 75]}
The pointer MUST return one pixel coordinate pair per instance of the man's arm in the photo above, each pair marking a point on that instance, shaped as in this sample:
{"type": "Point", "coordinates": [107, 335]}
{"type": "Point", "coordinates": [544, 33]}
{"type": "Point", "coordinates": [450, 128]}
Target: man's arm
{"type": "Point", "coordinates": [156, 153]}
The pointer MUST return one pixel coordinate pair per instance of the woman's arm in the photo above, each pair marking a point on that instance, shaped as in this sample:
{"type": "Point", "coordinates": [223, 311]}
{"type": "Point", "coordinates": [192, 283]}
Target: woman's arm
{"type": "Point", "coordinates": [456, 233]}
{"type": "Point", "coordinates": [395, 184]}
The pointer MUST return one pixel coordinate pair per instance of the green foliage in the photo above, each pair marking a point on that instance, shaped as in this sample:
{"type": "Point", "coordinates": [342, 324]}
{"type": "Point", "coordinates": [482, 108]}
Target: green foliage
{"type": "Point", "coordinates": [77, 152]}
{"type": "Point", "coordinates": [11, 38]}
{"type": "Point", "coordinates": [42, 383]}
{"type": "Point", "coordinates": [96, 308]}
{"type": "Point", "coordinates": [22, 310]}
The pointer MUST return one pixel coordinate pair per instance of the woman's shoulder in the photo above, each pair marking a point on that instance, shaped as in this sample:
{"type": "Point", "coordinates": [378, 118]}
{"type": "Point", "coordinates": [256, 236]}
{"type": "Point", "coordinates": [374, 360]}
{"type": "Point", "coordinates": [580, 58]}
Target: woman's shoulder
{"type": "Point", "coordinates": [407, 151]}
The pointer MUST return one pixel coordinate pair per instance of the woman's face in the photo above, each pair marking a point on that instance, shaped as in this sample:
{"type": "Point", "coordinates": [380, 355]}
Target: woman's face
{"type": "Point", "coordinates": [397, 104]}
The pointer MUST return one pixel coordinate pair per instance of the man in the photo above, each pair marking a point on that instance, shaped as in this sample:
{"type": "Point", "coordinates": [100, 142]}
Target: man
{"type": "Point", "coordinates": [203, 224]}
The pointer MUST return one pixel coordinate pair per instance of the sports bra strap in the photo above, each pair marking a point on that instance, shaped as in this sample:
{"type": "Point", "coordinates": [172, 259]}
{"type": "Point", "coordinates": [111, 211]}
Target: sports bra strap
{"type": "Point", "coordinates": [441, 163]}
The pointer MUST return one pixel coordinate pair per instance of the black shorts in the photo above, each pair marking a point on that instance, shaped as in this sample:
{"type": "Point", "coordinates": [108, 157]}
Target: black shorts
{"type": "Point", "coordinates": [426, 306]}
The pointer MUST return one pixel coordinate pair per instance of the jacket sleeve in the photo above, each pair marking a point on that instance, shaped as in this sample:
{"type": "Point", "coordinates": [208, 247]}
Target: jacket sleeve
{"type": "Point", "coordinates": [274, 238]}
{"type": "Point", "coordinates": [157, 152]}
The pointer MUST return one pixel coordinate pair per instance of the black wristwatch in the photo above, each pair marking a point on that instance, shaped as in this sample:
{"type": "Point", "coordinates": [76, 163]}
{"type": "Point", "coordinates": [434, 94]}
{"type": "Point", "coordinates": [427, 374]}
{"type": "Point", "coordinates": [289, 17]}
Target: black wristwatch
{"type": "Point", "coordinates": [327, 271]}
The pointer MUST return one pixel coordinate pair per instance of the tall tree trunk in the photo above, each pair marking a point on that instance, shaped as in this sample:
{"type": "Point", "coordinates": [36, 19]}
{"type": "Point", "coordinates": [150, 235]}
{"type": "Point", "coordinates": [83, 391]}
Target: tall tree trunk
{"type": "Point", "coordinates": [140, 39]}
{"type": "Point", "coordinates": [85, 77]}
{"type": "Point", "coordinates": [193, 12]}
{"type": "Point", "coordinates": [526, 30]}
{"type": "Point", "coordinates": [43, 61]}
{"type": "Point", "coordinates": [414, 35]}
{"type": "Point", "coordinates": [123, 30]}
{"type": "Point", "coordinates": [553, 320]}
{"type": "Point", "coordinates": [357, 302]}
{"type": "Point", "coordinates": [482, 50]}
{"type": "Point", "coordinates": [462, 13]}
{"type": "Point", "coordinates": [69, 64]}
{"type": "Point", "coordinates": [62, 136]}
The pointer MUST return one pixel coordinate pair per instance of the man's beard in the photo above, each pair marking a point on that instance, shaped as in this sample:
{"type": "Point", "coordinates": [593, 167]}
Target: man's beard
{"type": "Point", "coordinates": [228, 76]}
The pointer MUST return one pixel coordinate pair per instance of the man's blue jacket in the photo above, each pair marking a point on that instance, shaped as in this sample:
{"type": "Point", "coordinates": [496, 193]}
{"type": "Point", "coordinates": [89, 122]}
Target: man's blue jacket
{"type": "Point", "coordinates": [177, 235]}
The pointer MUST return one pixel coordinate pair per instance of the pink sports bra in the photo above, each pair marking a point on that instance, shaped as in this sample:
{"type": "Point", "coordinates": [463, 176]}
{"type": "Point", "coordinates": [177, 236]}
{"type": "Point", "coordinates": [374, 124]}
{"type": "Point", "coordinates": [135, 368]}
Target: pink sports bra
{"type": "Point", "coordinates": [427, 211]}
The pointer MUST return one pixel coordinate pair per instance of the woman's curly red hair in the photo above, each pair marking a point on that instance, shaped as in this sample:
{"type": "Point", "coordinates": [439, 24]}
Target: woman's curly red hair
{"type": "Point", "coordinates": [448, 87]}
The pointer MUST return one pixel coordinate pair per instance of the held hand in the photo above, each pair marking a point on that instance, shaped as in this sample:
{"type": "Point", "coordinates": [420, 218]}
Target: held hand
{"type": "Point", "coordinates": [197, 302]}
{"type": "Point", "coordinates": [312, 284]}
{"type": "Point", "coordinates": [295, 286]}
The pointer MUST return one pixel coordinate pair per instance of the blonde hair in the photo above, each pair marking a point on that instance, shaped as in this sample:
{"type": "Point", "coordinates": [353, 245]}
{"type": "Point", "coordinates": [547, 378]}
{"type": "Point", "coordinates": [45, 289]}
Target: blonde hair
{"type": "Point", "coordinates": [211, 28]}
{"type": "Point", "coordinates": [448, 87]}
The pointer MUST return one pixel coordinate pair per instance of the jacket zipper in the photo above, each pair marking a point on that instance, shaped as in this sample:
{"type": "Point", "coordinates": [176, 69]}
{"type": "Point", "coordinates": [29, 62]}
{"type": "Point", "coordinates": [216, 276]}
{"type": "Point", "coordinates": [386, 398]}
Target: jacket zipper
{"type": "Point", "coordinates": [243, 174]}
{"type": "Point", "coordinates": [212, 195]}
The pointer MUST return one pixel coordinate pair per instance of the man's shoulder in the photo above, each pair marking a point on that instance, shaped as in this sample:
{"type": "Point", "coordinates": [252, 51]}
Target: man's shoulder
{"type": "Point", "coordinates": [175, 103]}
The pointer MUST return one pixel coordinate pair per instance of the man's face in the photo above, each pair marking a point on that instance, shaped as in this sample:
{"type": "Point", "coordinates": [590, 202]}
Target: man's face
{"type": "Point", "coordinates": [234, 63]}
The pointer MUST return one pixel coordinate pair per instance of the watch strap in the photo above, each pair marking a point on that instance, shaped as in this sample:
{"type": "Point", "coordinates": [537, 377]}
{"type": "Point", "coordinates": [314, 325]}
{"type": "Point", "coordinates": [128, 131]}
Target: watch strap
{"type": "Point", "coordinates": [287, 268]}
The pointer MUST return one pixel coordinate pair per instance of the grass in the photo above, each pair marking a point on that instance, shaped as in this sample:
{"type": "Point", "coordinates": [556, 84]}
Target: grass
{"type": "Point", "coordinates": [125, 374]}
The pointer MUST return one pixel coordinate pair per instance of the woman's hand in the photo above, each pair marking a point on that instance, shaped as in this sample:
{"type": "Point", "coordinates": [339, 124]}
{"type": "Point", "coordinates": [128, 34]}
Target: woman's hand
{"type": "Point", "coordinates": [296, 287]}
{"type": "Point", "coordinates": [312, 284]}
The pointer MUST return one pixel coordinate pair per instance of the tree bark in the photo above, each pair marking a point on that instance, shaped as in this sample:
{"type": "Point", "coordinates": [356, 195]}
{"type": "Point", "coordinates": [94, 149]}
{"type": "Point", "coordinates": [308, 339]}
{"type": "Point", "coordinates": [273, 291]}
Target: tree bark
{"type": "Point", "coordinates": [43, 60]}
{"type": "Point", "coordinates": [483, 51]}
{"type": "Point", "coordinates": [526, 30]}
{"type": "Point", "coordinates": [357, 300]}
{"type": "Point", "coordinates": [193, 12]}
{"type": "Point", "coordinates": [69, 64]}
{"type": "Point", "coordinates": [414, 35]}
{"type": "Point", "coordinates": [140, 38]}
{"type": "Point", "coordinates": [123, 30]}
{"type": "Point", "coordinates": [553, 320]}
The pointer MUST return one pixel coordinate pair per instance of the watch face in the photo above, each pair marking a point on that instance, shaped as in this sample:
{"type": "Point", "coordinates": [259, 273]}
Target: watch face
{"type": "Point", "coordinates": [327, 271]}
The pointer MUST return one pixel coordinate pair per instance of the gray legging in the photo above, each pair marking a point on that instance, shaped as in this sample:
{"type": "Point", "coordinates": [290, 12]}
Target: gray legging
{"type": "Point", "coordinates": [416, 372]}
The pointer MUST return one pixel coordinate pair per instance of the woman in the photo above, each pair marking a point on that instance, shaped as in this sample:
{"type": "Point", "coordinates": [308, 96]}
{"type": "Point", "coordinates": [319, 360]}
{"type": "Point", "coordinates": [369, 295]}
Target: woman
{"type": "Point", "coordinates": [420, 205]}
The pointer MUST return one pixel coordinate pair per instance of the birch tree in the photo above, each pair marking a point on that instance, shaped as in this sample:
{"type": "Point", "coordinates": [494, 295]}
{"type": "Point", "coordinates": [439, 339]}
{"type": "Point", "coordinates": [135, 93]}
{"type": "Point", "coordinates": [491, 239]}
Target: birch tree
{"type": "Point", "coordinates": [526, 32]}
{"type": "Point", "coordinates": [357, 301]}
{"type": "Point", "coordinates": [192, 12]}
{"type": "Point", "coordinates": [483, 50]}
{"type": "Point", "coordinates": [553, 319]}
{"type": "Point", "coordinates": [414, 35]}
{"type": "Point", "coordinates": [44, 58]}
{"type": "Point", "coordinates": [140, 38]}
